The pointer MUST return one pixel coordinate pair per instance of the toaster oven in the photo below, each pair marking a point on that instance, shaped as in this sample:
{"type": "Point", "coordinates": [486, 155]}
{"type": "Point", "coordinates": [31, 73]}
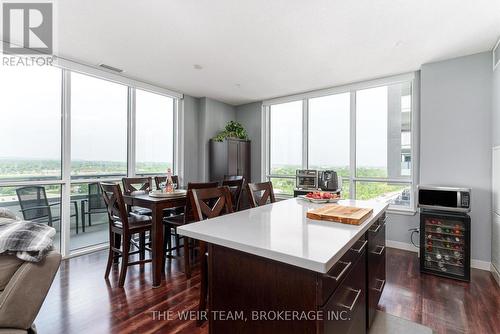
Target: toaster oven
{"type": "Point", "coordinates": [306, 179]}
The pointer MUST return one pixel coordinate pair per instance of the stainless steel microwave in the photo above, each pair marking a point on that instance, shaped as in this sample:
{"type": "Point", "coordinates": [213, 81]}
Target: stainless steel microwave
{"type": "Point", "coordinates": [444, 198]}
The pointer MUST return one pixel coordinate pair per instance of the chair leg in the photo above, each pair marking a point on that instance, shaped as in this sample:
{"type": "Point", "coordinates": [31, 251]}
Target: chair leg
{"type": "Point", "coordinates": [187, 265]}
{"type": "Point", "coordinates": [90, 218]}
{"type": "Point", "coordinates": [117, 240]}
{"type": "Point", "coordinates": [110, 255]}
{"type": "Point", "coordinates": [177, 242]}
{"type": "Point", "coordinates": [202, 305]}
{"type": "Point", "coordinates": [142, 246]}
{"type": "Point", "coordinates": [167, 243]}
{"type": "Point", "coordinates": [123, 269]}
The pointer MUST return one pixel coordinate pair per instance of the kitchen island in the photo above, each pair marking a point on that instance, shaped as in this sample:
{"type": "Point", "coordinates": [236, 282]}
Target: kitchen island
{"type": "Point", "coordinates": [272, 270]}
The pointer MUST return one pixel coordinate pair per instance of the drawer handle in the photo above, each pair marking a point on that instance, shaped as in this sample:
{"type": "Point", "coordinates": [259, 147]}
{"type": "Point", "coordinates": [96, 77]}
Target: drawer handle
{"type": "Point", "coordinates": [360, 249]}
{"type": "Point", "coordinates": [379, 252]}
{"type": "Point", "coordinates": [376, 230]}
{"type": "Point", "coordinates": [358, 292]}
{"type": "Point", "coordinates": [381, 285]}
{"type": "Point", "coordinates": [347, 265]}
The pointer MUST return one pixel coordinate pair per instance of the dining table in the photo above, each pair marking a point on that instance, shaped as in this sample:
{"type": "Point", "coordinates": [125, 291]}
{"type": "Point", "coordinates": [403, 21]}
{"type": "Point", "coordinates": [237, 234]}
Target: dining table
{"type": "Point", "coordinates": [156, 205]}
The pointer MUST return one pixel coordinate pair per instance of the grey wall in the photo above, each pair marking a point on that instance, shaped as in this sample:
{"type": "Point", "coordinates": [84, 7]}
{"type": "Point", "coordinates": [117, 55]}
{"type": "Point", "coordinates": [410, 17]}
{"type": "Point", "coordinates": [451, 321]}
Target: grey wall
{"type": "Point", "coordinates": [249, 115]}
{"type": "Point", "coordinates": [455, 136]}
{"type": "Point", "coordinates": [191, 138]}
{"type": "Point", "coordinates": [495, 239]}
{"type": "Point", "coordinates": [213, 117]}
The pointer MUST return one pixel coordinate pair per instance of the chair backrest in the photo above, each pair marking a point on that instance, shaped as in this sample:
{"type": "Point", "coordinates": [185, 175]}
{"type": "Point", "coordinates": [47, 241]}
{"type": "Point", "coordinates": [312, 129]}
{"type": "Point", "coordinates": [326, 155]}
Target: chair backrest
{"type": "Point", "coordinates": [210, 202]}
{"type": "Point", "coordinates": [162, 179]}
{"type": "Point", "coordinates": [260, 193]}
{"type": "Point", "coordinates": [232, 177]}
{"type": "Point", "coordinates": [136, 185]}
{"type": "Point", "coordinates": [95, 200]}
{"type": "Point", "coordinates": [113, 198]}
{"type": "Point", "coordinates": [188, 209]}
{"type": "Point", "coordinates": [236, 189]}
{"type": "Point", "coordinates": [33, 202]}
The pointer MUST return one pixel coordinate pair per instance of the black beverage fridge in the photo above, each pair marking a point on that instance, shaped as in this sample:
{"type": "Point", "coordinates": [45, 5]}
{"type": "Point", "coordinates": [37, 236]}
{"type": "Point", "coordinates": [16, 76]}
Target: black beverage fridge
{"type": "Point", "coordinates": [445, 231]}
{"type": "Point", "coordinates": [445, 244]}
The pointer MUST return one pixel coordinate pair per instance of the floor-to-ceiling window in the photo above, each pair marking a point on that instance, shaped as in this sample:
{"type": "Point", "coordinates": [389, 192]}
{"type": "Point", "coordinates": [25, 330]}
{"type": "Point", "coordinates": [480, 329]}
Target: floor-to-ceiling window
{"type": "Point", "coordinates": [63, 132]}
{"type": "Point", "coordinates": [30, 143]}
{"type": "Point", "coordinates": [98, 151]}
{"type": "Point", "coordinates": [154, 132]}
{"type": "Point", "coordinates": [363, 132]}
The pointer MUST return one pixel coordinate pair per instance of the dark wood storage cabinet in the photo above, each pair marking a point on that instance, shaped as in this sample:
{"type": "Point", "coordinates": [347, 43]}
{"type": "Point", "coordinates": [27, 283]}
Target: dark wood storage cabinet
{"type": "Point", "coordinates": [376, 266]}
{"type": "Point", "coordinates": [230, 157]}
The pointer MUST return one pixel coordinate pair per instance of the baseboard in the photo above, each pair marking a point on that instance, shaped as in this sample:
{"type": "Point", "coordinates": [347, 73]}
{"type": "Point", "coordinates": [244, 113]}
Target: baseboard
{"type": "Point", "coordinates": [401, 245]}
{"type": "Point", "coordinates": [495, 273]}
{"type": "Point", "coordinates": [476, 264]}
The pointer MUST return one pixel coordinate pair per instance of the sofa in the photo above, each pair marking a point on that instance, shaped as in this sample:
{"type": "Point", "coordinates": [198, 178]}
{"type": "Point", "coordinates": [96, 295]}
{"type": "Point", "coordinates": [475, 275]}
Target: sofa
{"type": "Point", "coordinates": [23, 288]}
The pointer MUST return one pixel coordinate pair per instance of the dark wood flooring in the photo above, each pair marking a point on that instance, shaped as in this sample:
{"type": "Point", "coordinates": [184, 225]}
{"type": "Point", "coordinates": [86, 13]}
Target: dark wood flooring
{"type": "Point", "coordinates": [80, 300]}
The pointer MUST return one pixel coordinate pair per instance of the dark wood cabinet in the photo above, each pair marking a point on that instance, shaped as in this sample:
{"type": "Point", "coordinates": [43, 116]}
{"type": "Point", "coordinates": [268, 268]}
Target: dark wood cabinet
{"type": "Point", "coordinates": [375, 267]}
{"type": "Point", "coordinates": [230, 157]}
{"type": "Point", "coordinates": [345, 311]}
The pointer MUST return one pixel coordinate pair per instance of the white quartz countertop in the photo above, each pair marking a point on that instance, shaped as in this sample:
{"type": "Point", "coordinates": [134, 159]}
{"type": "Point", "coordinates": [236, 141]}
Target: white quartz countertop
{"type": "Point", "coordinates": [282, 232]}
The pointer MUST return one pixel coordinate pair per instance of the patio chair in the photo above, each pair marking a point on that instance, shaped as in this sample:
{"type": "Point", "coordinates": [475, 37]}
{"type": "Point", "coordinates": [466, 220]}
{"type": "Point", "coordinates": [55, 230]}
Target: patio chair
{"type": "Point", "coordinates": [93, 204]}
{"type": "Point", "coordinates": [36, 207]}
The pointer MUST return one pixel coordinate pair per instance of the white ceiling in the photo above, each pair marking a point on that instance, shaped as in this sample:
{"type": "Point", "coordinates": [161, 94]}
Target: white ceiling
{"type": "Point", "coordinates": [258, 49]}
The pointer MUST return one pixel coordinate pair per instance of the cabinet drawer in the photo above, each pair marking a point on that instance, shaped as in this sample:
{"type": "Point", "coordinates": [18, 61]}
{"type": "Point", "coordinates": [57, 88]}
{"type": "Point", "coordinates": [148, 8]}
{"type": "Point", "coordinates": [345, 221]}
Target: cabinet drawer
{"type": "Point", "coordinates": [345, 311]}
{"type": "Point", "coordinates": [329, 281]}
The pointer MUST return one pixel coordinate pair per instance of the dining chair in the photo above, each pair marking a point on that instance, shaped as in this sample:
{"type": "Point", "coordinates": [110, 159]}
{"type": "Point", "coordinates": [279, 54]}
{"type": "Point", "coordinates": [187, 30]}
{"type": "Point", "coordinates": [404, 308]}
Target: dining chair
{"type": "Point", "coordinates": [260, 193]}
{"type": "Point", "coordinates": [236, 188]}
{"type": "Point", "coordinates": [122, 226]}
{"type": "Point", "coordinates": [232, 177]}
{"type": "Point", "coordinates": [162, 179]}
{"type": "Point", "coordinates": [208, 203]}
{"type": "Point", "coordinates": [35, 206]}
{"type": "Point", "coordinates": [136, 186]}
{"type": "Point", "coordinates": [172, 222]}
{"type": "Point", "coordinates": [94, 203]}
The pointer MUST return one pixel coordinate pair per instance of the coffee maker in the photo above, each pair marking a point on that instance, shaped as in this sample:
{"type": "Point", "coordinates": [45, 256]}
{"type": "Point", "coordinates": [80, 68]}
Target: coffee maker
{"type": "Point", "coordinates": [328, 180]}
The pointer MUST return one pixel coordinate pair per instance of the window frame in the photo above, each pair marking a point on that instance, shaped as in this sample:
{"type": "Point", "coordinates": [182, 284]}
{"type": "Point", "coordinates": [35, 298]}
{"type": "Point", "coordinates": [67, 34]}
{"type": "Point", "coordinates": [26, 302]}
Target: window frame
{"type": "Point", "coordinates": [65, 180]}
{"type": "Point", "coordinates": [412, 78]}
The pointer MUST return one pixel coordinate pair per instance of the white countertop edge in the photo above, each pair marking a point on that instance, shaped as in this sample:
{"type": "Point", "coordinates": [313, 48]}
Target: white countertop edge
{"type": "Point", "coordinates": [281, 257]}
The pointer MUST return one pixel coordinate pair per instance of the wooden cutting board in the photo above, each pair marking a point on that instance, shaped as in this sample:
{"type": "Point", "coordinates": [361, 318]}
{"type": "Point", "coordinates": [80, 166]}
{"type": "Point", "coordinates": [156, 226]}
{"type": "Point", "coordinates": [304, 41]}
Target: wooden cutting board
{"type": "Point", "coordinates": [340, 213]}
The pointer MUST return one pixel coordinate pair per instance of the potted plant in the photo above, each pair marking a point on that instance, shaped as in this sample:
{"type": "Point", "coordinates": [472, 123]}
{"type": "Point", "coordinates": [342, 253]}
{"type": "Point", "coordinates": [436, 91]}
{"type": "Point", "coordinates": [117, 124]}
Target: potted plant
{"type": "Point", "coordinates": [232, 130]}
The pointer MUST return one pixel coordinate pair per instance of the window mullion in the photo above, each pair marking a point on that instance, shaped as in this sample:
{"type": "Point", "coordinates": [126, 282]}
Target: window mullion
{"type": "Point", "coordinates": [66, 164]}
{"type": "Point", "coordinates": [131, 133]}
{"type": "Point", "coordinates": [352, 146]}
{"type": "Point", "coordinates": [305, 134]}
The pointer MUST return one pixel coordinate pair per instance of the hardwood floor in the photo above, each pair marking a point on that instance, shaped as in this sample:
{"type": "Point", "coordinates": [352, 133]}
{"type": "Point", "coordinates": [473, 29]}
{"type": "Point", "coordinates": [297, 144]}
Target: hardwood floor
{"type": "Point", "coordinates": [81, 301]}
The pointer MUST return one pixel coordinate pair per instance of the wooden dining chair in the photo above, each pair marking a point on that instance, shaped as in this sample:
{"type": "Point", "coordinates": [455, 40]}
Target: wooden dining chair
{"type": "Point", "coordinates": [135, 186]}
{"type": "Point", "coordinates": [122, 226]}
{"type": "Point", "coordinates": [260, 193]}
{"type": "Point", "coordinates": [236, 188]}
{"type": "Point", "coordinates": [172, 222]}
{"type": "Point", "coordinates": [161, 179]}
{"type": "Point", "coordinates": [208, 203]}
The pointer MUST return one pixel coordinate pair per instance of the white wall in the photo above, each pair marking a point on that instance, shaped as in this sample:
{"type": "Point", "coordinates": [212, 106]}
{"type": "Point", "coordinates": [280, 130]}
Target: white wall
{"type": "Point", "coordinates": [249, 115]}
{"type": "Point", "coordinates": [455, 136]}
{"type": "Point", "coordinates": [213, 118]}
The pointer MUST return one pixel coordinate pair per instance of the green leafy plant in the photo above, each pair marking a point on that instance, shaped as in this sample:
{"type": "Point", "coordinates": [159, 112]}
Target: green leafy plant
{"type": "Point", "coordinates": [232, 130]}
